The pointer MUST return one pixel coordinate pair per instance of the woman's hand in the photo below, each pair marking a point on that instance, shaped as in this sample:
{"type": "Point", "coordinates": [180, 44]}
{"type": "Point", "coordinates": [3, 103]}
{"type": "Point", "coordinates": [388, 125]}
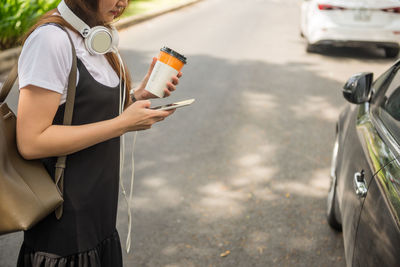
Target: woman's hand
{"type": "Point", "coordinates": [139, 116]}
{"type": "Point", "coordinates": [141, 94]}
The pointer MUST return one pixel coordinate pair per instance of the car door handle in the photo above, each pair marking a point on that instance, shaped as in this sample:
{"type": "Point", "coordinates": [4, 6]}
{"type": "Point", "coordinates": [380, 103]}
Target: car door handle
{"type": "Point", "coordinates": [360, 185]}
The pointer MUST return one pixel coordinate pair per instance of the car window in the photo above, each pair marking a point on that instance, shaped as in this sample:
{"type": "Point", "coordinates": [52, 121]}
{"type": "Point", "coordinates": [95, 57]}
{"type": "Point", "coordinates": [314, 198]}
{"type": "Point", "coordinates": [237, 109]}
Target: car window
{"type": "Point", "coordinates": [388, 105]}
{"type": "Point", "coordinates": [380, 85]}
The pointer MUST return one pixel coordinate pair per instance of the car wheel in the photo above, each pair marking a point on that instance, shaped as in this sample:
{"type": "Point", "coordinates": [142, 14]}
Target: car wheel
{"type": "Point", "coordinates": [391, 52]}
{"type": "Point", "coordinates": [332, 206]}
{"type": "Point", "coordinates": [311, 48]}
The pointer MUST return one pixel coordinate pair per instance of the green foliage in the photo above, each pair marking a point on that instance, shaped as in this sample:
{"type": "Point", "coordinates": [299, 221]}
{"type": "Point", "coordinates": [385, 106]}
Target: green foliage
{"type": "Point", "coordinates": [17, 16]}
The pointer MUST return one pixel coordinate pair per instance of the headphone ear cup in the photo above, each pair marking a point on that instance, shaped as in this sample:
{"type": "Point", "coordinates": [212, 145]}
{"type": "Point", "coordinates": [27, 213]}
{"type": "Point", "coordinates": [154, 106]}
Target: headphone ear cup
{"type": "Point", "coordinates": [99, 41]}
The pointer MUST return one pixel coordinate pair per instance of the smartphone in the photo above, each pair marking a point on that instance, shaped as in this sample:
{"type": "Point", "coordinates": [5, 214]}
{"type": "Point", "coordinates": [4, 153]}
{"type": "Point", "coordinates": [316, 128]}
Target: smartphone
{"type": "Point", "coordinates": [175, 105]}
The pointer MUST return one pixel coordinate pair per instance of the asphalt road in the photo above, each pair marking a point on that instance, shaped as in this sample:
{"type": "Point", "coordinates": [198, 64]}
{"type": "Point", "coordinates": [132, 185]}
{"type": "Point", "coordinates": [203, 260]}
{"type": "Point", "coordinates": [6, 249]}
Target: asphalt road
{"type": "Point", "coordinates": [239, 178]}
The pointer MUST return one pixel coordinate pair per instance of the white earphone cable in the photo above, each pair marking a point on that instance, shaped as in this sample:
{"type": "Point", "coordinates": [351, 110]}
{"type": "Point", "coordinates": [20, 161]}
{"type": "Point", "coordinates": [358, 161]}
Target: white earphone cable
{"type": "Point", "coordinates": [128, 238]}
{"type": "Point", "coordinates": [122, 97]}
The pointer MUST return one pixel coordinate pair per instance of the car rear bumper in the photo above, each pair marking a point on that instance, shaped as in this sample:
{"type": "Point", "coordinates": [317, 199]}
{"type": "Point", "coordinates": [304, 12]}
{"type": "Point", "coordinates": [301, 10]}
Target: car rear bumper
{"type": "Point", "coordinates": [346, 43]}
{"type": "Point", "coordinates": [343, 36]}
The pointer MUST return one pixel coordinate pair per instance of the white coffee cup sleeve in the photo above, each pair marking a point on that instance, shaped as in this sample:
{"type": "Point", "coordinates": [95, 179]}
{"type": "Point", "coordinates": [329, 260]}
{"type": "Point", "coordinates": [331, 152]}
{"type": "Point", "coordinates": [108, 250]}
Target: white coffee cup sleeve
{"type": "Point", "coordinates": [159, 77]}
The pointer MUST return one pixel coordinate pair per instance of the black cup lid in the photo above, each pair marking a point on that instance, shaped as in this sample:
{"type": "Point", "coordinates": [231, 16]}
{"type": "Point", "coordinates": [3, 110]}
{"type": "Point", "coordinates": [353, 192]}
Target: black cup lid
{"type": "Point", "coordinates": [174, 54]}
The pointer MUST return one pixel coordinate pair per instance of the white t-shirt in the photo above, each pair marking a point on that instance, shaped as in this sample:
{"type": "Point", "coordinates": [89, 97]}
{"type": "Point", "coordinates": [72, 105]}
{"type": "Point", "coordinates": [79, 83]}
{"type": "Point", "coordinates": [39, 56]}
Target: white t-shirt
{"type": "Point", "coordinates": [46, 60]}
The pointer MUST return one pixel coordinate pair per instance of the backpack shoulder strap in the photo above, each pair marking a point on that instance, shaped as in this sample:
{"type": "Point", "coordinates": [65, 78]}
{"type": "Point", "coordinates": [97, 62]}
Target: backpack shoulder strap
{"type": "Point", "coordinates": [8, 84]}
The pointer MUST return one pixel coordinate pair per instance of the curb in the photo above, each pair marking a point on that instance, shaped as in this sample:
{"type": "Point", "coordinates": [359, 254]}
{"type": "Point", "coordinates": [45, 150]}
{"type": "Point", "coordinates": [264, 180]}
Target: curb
{"type": "Point", "coordinates": [9, 57]}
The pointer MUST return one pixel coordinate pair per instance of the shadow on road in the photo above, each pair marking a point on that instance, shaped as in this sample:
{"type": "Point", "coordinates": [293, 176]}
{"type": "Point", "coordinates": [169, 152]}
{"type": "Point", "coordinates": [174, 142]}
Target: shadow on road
{"type": "Point", "coordinates": [244, 169]}
{"type": "Point", "coordinates": [363, 53]}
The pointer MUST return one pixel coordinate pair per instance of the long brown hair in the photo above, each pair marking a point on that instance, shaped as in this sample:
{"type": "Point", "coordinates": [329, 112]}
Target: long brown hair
{"type": "Point", "coordinates": [87, 11]}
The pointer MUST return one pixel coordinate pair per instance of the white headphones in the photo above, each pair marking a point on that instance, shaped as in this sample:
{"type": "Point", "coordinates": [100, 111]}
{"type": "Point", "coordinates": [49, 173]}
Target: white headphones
{"type": "Point", "coordinates": [98, 40]}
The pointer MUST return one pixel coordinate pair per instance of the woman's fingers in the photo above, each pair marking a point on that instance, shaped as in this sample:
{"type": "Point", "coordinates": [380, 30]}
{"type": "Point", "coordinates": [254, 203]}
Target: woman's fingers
{"type": "Point", "coordinates": [171, 86]}
{"type": "Point", "coordinates": [142, 103]}
{"type": "Point", "coordinates": [167, 92]}
{"type": "Point", "coordinates": [139, 116]}
{"type": "Point", "coordinates": [175, 80]}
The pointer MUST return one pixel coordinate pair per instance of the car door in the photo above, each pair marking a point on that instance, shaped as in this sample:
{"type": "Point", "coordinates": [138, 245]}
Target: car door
{"type": "Point", "coordinates": [378, 238]}
{"type": "Point", "coordinates": [353, 162]}
{"type": "Point", "coordinates": [363, 153]}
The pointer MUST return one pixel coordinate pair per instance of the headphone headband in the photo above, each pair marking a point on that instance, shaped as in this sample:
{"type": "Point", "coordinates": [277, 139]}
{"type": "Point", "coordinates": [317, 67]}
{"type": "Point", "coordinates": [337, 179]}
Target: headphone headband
{"type": "Point", "coordinates": [73, 19]}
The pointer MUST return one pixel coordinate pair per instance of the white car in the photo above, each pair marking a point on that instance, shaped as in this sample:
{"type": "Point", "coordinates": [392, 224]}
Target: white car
{"type": "Point", "coordinates": [352, 23]}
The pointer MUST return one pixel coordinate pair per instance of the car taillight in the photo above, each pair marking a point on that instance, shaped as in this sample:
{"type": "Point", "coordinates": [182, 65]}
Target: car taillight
{"type": "Point", "coordinates": [392, 9]}
{"type": "Point", "coordinates": [329, 7]}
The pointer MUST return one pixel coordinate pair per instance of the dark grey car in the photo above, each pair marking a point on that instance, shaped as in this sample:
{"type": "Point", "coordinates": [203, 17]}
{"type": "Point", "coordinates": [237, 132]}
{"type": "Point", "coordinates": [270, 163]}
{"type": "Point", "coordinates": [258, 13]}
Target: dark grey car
{"type": "Point", "coordinates": [364, 198]}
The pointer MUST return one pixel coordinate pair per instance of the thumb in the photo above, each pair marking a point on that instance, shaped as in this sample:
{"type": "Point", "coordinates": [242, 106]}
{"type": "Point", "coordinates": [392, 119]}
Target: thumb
{"type": "Point", "coordinates": [143, 103]}
{"type": "Point", "coordinates": [152, 65]}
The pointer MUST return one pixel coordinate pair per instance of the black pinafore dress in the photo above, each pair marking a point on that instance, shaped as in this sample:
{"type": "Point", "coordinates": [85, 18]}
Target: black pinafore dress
{"type": "Point", "coordinates": [86, 234]}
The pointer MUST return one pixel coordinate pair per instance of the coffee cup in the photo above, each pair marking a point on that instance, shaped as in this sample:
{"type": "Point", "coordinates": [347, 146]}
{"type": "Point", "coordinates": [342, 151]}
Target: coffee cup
{"type": "Point", "coordinates": [169, 63]}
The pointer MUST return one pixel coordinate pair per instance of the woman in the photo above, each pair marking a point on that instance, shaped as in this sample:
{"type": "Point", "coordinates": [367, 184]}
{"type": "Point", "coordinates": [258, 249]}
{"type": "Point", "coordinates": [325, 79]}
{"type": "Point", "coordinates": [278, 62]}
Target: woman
{"type": "Point", "coordinates": [86, 234]}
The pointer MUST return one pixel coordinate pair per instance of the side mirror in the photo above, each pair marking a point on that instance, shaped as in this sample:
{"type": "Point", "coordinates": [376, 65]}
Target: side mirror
{"type": "Point", "coordinates": [357, 89]}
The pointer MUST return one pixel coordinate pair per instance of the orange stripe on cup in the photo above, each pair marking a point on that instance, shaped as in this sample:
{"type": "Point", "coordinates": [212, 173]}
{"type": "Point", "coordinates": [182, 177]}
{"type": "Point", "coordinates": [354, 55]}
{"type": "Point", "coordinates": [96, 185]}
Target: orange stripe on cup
{"type": "Point", "coordinates": [172, 58]}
